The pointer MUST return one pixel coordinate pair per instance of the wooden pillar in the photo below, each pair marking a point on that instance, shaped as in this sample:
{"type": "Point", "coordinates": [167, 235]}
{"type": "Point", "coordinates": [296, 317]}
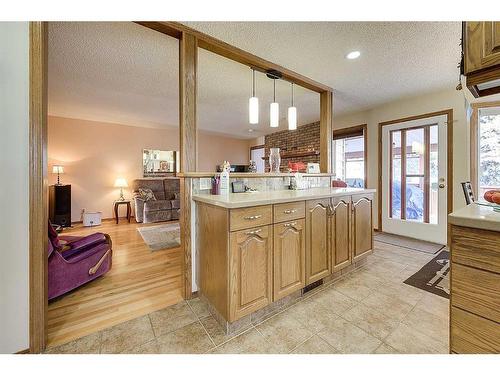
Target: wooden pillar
{"type": "Point", "coordinates": [326, 131]}
{"type": "Point", "coordinates": [188, 62]}
{"type": "Point", "coordinates": [38, 213]}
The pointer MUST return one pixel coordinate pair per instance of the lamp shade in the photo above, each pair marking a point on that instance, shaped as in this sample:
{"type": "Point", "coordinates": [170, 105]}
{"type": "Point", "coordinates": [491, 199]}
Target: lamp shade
{"type": "Point", "coordinates": [121, 183]}
{"type": "Point", "coordinates": [275, 115]}
{"type": "Point", "coordinates": [292, 118]}
{"type": "Point", "coordinates": [57, 169]}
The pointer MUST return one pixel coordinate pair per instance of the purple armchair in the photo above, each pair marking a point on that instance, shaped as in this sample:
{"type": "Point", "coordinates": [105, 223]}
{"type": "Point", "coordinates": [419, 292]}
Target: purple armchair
{"type": "Point", "coordinates": [77, 261]}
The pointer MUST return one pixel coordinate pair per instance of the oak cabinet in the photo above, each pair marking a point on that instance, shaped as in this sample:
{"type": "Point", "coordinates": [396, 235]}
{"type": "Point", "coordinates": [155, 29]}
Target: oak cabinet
{"type": "Point", "coordinates": [362, 226]}
{"type": "Point", "coordinates": [250, 270]}
{"type": "Point", "coordinates": [317, 246]}
{"type": "Point", "coordinates": [481, 51]}
{"type": "Point", "coordinates": [340, 233]}
{"type": "Point", "coordinates": [289, 257]}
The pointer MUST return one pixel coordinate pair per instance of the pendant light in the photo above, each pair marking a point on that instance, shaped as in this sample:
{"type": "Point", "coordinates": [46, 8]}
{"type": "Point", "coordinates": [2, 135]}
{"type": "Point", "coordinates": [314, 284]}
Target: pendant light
{"type": "Point", "coordinates": [274, 109]}
{"type": "Point", "coordinates": [253, 104]}
{"type": "Point", "coordinates": [292, 115]}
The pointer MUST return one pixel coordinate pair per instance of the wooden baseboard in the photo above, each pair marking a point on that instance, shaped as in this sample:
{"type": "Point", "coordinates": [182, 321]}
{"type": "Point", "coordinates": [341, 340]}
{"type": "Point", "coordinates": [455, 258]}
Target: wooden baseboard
{"type": "Point", "coordinates": [24, 351]}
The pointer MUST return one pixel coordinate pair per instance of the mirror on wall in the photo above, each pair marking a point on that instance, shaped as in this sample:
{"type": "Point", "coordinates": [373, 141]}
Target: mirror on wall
{"type": "Point", "coordinates": [157, 163]}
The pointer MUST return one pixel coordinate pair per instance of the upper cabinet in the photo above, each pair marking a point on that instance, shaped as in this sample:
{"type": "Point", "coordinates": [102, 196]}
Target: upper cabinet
{"type": "Point", "coordinates": [481, 48]}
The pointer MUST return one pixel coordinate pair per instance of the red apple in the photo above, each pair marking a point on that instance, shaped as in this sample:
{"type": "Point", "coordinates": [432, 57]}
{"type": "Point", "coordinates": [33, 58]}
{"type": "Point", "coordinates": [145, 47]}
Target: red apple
{"type": "Point", "coordinates": [495, 198]}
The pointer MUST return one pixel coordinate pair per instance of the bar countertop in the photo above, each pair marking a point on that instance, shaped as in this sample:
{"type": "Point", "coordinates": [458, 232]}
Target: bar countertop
{"type": "Point", "coordinates": [476, 216]}
{"type": "Point", "coordinates": [237, 200]}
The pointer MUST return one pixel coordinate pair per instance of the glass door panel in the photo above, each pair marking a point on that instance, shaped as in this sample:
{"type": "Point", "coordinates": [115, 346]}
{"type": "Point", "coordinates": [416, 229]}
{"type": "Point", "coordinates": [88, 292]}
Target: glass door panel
{"type": "Point", "coordinates": [395, 199]}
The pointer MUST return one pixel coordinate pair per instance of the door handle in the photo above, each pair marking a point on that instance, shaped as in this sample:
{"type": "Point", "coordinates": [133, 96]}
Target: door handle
{"type": "Point", "coordinates": [442, 183]}
{"type": "Point", "coordinates": [255, 217]}
{"type": "Point", "coordinates": [290, 211]}
{"type": "Point", "coordinates": [253, 232]}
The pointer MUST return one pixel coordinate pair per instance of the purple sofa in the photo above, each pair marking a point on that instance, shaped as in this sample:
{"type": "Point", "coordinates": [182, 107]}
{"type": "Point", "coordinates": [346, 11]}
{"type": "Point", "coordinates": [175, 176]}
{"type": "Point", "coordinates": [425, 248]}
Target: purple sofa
{"type": "Point", "coordinates": [166, 203]}
{"type": "Point", "coordinates": [77, 261]}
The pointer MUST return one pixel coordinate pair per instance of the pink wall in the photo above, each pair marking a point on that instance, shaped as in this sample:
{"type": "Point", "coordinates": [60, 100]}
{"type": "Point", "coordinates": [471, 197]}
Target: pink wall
{"type": "Point", "coordinates": [94, 154]}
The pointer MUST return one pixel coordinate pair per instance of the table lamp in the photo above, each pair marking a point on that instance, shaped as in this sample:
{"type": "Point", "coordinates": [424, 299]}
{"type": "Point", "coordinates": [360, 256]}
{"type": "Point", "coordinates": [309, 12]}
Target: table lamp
{"type": "Point", "coordinates": [121, 183]}
{"type": "Point", "coordinates": [59, 170]}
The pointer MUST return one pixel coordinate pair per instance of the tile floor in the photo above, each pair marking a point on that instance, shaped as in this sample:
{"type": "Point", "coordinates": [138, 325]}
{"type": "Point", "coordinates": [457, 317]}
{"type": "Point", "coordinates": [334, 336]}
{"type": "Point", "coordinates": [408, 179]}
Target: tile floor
{"type": "Point", "coordinates": [368, 311]}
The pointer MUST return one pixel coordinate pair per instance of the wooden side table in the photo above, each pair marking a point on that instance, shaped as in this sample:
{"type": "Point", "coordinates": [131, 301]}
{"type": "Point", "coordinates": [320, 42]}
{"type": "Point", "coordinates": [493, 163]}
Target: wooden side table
{"type": "Point", "coordinates": [129, 209]}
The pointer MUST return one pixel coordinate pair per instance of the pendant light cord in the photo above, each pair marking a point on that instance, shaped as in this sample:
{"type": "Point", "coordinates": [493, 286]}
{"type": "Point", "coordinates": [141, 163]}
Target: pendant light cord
{"type": "Point", "coordinates": [292, 94]}
{"type": "Point", "coordinates": [253, 83]}
{"type": "Point", "coordinates": [274, 94]}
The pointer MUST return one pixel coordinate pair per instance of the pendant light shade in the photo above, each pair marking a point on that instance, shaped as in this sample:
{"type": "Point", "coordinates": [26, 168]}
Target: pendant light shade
{"type": "Point", "coordinates": [274, 110]}
{"type": "Point", "coordinates": [292, 115]}
{"type": "Point", "coordinates": [253, 104]}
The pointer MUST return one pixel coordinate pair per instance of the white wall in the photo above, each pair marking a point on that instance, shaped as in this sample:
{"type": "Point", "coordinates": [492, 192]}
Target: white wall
{"type": "Point", "coordinates": [14, 171]}
{"type": "Point", "coordinates": [412, 106]}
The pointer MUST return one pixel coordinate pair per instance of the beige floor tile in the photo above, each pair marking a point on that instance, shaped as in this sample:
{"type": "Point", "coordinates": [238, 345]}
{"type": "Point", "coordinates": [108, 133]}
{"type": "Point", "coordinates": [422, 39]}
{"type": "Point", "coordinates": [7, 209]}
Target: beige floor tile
{"type": "Point", "coordinates": [127, 335]}
{"type": "Point", "coordinates": [249, 342]}
{"type": "Point", "coordinates": [150, 347]}
{"type": "Point", "coordinates": [199, 307]}
{"type": "Point", "coordinates": [190, 339]}
{"type": "Point", "coordinates": [216, 332]}
{"type": "Point", "coordinates": [312, 314]}
{"type": "Point", "coordinates": [385, 349]}
{"type": "Point", "coordinates": [408, 340]}
{"type": "Point", "coordinates": [284, 332]}
{"type": "Point", "coordinates": [404, 292]}
{"type": "Point", "coordinates": [314, 345]}
{"type": "Point", "coordinates": [406, 273]}
{"type": "Point", "coordinates": [429, 324]}
{"type": "Point", "coordinates": [372, 321]}
{"type": "Point", "coordinates": [435, 304]}
{"type": "Point", "coordinates": [333, 301]}
{"type": "Point", "coordinates": [352, 288]}
{"type": "Point", "coordinates": [349, 339]}
{"type": "Point", "coordinates": [90, 344]}
{"type": "Point", "coordinates": [391, 306]}
{"type": "Point", "coordinates": [172, 318]}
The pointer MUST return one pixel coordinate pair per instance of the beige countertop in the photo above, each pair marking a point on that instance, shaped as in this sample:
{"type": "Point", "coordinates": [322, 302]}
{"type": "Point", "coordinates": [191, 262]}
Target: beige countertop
{"type": "Point", "coordinates": [250, 175]}
{"type": "Point", "coordinates": [278, 196]}
{"type": "Point", "coordinates": [476, 216]}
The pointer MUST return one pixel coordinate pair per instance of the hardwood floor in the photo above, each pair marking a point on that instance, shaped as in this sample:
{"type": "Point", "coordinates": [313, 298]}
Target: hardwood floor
{"type": "Point", "coordinates": [140, 282]}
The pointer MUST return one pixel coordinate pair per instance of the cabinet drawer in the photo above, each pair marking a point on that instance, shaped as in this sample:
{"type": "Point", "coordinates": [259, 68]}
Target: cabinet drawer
{"type": "Point", "coordinates": [289, 211]}
{"type": "Point", "coordinates": [476, 248]}
{"type": "Point", "coordinates": [476, 291]}
{"type": "Point", "coordinates": [249, 217]}
{"type": "Point", "coordinates": [473, 334]}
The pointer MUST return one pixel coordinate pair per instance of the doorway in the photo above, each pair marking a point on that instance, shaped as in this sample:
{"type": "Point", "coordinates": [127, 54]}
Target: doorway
{"type": "Point", "coordinates": [414, 178]}
{"type": "Point", "coordinates": [257, 154]}
{"type": "Point", "coordinates": [349, 155]}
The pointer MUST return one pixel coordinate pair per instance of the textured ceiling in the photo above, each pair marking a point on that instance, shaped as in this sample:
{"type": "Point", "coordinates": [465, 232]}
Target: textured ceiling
{"type": "Point", "coordinates": [124, 73]}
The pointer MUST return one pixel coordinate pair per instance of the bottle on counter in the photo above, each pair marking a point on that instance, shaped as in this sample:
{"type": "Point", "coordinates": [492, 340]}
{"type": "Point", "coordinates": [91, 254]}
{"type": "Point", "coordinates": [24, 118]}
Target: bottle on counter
{"type": "Point", "coordinates": [224, 179]}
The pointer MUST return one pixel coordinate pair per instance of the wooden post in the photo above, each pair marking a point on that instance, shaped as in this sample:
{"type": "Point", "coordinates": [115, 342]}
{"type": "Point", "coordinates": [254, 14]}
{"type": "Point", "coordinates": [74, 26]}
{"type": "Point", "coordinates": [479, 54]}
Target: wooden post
{"type": "Point", "coordinates": [38, 212]}
{"type": "Point", "coordinates": [326, 131]}
{"type": "Point", "coordinates": [188, 62]}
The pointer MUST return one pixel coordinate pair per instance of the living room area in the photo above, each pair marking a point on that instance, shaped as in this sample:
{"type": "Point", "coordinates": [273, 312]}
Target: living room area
{"type": "Point", "coordinates": [113, 159]}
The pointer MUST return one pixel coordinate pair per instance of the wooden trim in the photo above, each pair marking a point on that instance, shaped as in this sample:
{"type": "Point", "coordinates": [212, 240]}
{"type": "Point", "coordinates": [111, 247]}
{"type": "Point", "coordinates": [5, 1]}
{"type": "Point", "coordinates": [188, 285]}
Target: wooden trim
{"type": "Point", "coordinates": [326, 125]}
{"type": "Point", "coordinates": [257, 147]}
{"type": "Point", "coordinates": [186, 235]}
{"type": "Point", "coordinates": [403, 174]}
{"type": "Point", "coordinates": [24, 351]}
{"type": "Point", "coordinates": [354, 131]}
{"type": "Point", "coordinates": [391, 156]}
{"type": "Point", "coordinates": [449, 121]}
{"type": "Point", "coordinates": [38, 193]}
{"type": "Point", "coordinates": [474, 129]}
{"type": "Point", "coordinates": [209, 43]}
{"type": "Point", "coordinates": [427, 170]}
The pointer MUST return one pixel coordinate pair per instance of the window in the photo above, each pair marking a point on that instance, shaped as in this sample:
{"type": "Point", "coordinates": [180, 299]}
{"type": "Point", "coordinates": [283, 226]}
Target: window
{"type": "Point", "coordinates": [485, 147]}
{"type": "Point", "coordinates": [349, 155]}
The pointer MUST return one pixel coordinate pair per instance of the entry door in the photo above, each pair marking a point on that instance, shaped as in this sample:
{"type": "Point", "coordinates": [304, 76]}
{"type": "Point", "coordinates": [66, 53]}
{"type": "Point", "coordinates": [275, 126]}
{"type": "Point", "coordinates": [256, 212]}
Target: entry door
{"type": "Point", "coordinates": [414, 170]}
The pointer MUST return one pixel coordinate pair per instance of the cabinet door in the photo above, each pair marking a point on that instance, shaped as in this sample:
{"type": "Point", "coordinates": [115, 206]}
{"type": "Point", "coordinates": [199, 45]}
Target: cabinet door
{"type": "Point", "coordinates": [340, 233]}
{"type": "Point", "coordinates": [362, 226]}
{"type": "Point", "coordinates": [289, 256]}
{"type": "Point", "coordinates": [317, 247]}
{"type": "Point", "coordinates": [482, 45]}
{"type": "Point", "coordinates": [250, 270]}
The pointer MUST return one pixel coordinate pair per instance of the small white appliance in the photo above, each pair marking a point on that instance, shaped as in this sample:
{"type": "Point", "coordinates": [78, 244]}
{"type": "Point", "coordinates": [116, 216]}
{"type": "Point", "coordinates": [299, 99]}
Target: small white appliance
{"type": "Point", "coordinates": [91, 219]}
{"type": "Point", "coordinates": [313, 168]}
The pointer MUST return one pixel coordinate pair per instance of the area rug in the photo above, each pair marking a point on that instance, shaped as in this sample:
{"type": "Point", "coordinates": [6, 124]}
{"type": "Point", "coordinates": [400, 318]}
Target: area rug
{"type": "Point", "coordinates": [434, 276]}
{"type": "Point", "coordinates": [408, 243]}
{"type": "Point", "coordinates": [160, 237]}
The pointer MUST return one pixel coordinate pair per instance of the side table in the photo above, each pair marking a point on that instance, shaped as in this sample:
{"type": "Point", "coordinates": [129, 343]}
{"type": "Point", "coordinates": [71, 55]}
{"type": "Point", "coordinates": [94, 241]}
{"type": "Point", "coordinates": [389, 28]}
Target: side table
{"type": "Point", "coordinates": [129, 209]}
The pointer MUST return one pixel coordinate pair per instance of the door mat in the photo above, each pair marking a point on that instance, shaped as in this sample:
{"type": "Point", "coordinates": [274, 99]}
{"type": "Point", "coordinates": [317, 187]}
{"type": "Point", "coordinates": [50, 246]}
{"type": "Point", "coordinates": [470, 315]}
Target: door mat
{"type": "Point", "coordinates": [408, 243]}
{"type": "Point", "coordinates": [434, 276]}
{"type": "Point", "coordinates": [160, 237]}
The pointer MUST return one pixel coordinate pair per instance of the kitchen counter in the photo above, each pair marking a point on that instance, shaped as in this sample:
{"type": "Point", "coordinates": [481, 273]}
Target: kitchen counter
{"type": "Point", "coordinates": [476, 216]}
{"type": "Point", "coordinates": [238, 200]}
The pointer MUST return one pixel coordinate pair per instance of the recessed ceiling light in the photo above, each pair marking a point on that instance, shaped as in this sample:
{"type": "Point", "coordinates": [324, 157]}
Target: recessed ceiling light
{"type": "Point", "coordinates": [250, 130]}
{"type": "Point", "coordinates": [353, 55]}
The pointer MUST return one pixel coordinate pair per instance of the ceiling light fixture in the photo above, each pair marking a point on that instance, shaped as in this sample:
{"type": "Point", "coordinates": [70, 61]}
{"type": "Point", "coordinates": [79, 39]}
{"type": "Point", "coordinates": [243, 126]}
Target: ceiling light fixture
{"type": "Point", "coordinates": [274, 109]}
{"type": "Point", "coordinates": [353, 55]}
{"type": "Point", "coordinates": [253, 104]}
{"type": "Point", "coordinates": [292, 115]}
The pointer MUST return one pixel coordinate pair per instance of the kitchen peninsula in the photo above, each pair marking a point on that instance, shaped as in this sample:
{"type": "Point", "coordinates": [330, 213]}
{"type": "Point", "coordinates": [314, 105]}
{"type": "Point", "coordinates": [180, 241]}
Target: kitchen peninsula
{"type": "Point", "coordinates": [260, 251]}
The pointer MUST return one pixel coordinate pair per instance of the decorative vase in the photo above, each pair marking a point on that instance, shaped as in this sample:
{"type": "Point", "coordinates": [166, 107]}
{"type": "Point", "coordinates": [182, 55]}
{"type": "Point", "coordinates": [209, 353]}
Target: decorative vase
{"type": "Point", "coordinates": [274, 160]}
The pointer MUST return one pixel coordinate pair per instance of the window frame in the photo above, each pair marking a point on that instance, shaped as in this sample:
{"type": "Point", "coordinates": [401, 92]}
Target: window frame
{"type": "Point", "coordinates": [474, 143]}
{"type": "Point", "coordinates": [351, 132]}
